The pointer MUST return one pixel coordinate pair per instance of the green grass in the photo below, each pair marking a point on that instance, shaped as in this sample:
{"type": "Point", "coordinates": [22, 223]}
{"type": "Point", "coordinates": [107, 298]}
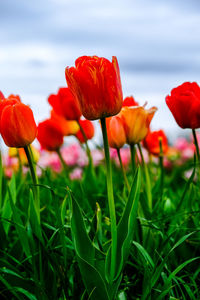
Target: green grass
{"type": "Point", "coordinates": [40, 261]}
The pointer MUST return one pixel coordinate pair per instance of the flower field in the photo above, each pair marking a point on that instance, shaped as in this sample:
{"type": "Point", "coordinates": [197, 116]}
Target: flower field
{"type": "Point", "coordinates": [118, 219]}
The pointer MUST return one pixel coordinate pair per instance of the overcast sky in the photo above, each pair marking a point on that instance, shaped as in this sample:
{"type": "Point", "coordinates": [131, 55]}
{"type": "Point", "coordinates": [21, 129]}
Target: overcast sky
{"type": "Point", "coordinates": [157, 43]}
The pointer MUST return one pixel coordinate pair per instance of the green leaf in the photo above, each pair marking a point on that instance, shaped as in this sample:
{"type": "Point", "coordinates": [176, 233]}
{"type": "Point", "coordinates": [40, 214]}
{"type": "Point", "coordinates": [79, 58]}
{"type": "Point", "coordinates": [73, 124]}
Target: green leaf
{"type": "Point", "coordinates": [125, 228]}
{"type": "Point", "coordinates": [34, 218]}
{"type": "Point", "coordinates": [22, 234]}
{"type": "Point", "coordinates": [158, 270]}
{"type": "Point", "coordinates": [90, 259]}
{"type": "Point", "coordinates": [167, 285]}
{"type": "Point", "coordinates": [6, 210]}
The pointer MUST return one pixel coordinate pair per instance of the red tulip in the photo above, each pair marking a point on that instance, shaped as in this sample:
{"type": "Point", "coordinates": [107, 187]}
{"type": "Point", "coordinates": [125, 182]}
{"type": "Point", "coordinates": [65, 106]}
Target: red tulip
{"type": "Point", "coordinates": [50, 135]}
{"type": "Point", "coordinates": [116, 132]}
{"type": "Point", "coordinates": [130, 101]}
{"type": "Point", "coordinates": [95, 81]}
{"type": "Point", "coordinates": [11, 100]}
{"type": "Point", "coordinates": [1, 95]}
{"type": "Point", "coordinates": [65, 104]}
{"type": "Point", "coordinates": [184, 103]}
{"type": "Point", "coordinates": [17, 124]}
{"type": "Point", "coordinates": [88, 128]}
{"type": "Point", "coordinates": [152, 144]}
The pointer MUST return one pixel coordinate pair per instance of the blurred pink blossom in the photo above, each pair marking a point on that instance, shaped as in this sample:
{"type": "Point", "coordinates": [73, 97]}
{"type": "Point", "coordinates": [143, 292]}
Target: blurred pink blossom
{"type": "Point", "coordinates": [76, 174]}
{"type": "Point", "coordinates": [50, 159]}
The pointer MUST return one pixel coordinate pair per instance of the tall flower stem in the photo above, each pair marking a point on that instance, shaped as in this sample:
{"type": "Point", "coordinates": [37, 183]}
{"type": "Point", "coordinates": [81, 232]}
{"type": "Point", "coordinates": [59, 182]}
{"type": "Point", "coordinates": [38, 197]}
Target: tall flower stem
{"type": "Point", "coordinates": [161, 168]}
{"type": "Point", "coordinates": [133, 154]}
{"type": "Point", "coordinates": [147, 177]}
{"type": "Point", "coordinates": [86, 143]}
{"type": "Point", "coordinates": [196, 144]}
{"type": "Point", "coordinates": [34, 177]}
{"type": "Point", "coordinates": [111, 202]}
{"type": "Point", "coordinates": [61, 159]}
{"type": "Point", "coordinates": [123, 171]}
{"type": "Point", "coordinates": [197, 152]}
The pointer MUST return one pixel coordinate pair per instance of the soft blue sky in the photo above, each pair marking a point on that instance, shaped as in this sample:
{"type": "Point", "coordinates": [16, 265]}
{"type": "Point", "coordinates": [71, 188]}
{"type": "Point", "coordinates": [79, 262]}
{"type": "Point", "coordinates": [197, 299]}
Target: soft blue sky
{"type": "Point", "coordinates": [156, 42]}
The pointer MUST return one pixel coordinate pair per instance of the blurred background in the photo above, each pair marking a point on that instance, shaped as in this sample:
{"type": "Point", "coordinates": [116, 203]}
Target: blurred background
{"type": "Point", "coordinates": [157, 44]}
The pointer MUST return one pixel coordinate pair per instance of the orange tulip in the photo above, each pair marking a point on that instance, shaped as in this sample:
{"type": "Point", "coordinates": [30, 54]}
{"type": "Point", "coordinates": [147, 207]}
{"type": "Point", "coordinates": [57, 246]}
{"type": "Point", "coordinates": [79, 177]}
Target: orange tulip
{"type": "Point", "coordinates": [116, 132]}
{"type": "Point", "coordinates": [152, 144]}
{"type": "Point", "coordinates": [65, 104]}
{"type": "Point", "coordinates": [95, 82]}
{"type": "Point", "coordinates": [17, 124]}
{"type": "Point", "coordinates": [68, 127]}
{"type": "Point", "coordinates": [88, 129]}
{"type": "Point", "coordinates": [136, 120]}
{"type": "Point", "coordinates": [50, 135]}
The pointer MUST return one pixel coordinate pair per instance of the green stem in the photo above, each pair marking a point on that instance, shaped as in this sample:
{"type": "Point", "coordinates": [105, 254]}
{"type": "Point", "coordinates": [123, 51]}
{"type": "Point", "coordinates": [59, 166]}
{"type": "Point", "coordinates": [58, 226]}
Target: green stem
{"type": "Point", "coordinates": [111, 202]}
{"type": "Point", "coordinates": [196, 144]}
{"type": "Point", "coordinates": [123, 171]}
{"type": "Point", "coordinates": [133, 153]}
{"type": "Point", "coordinates": [161, 168]}
{"type": "Point", "coordinates": [20, 161]}
{"type": "Point", "coordinates": [86, 143]}
{"type": "Point", "coordinates": [29, 156]}
{"type": "Point", "coordinates": [197, 152]}
{"type": "Point", "coordinates": [61, 159]}
{"type": "Point", "coordinates": [148, 181]}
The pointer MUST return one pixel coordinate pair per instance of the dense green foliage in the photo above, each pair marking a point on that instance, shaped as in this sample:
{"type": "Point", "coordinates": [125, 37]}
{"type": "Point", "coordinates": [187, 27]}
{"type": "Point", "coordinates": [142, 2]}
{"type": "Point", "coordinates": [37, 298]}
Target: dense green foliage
{"type": "Point", "coordinates": [39, 261]}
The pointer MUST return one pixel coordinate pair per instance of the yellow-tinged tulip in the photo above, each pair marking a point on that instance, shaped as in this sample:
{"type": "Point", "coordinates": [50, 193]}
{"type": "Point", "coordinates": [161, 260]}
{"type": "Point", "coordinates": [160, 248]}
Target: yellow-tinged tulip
{"type": "Point", "coordinates": [136, 120]}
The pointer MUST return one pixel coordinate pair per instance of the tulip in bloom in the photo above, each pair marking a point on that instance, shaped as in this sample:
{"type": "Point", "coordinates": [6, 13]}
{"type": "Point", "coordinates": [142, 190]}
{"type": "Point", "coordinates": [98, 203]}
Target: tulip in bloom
{"type": "Point", "coordinates": [152, 142]}
{"type": "Point", "coordinates": [95, 81]}
{"type": "Point", "coordinates": [88, 129]}
{"type": "Point", "coordinates": [18, 128]}
{"type": "Point", "coordinates": [116, 132]}
{"type": "Point", "coordinates": [65, 104]}
{"type": "Point", "coordinates": [130, 101]}
{"type": "Point", "coordinates": [136, 120]}
{"type": "Point", "coordinates": [50, 135]}
{"type": "Point", "coordinates": [184, 104]}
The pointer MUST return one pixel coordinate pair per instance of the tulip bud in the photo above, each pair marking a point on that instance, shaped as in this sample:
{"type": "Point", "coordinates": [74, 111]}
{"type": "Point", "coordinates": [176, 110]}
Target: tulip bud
{"type": "Point", "coordinates": [50, 135]}
{"type": "Point", "coordinates": [18, 128]}
{"type": "Point", "coordinates": [116, 133]}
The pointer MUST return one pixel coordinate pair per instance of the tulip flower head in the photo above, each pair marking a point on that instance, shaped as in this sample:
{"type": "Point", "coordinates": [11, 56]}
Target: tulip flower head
{"type": "Point", "coordinates": [95, 82]}
{"type": "Point", "coordinates": [17, 124]}
{"type": "Point", "coordinates": [50, 135]}
{"type": "Point", "coordinates": [152, 142]}
{"type": "Point", "coordinates": [184, 104]}
{"type": "Point", "coordinates": [130, 101]}
{"type": "Point", "coordinates": [88, 129]}
{"type": "Point", "coordinates": [65, 104]}
{"type": "Point", "coordinates": [116, 132]}
{"type": "Point", "coordinates": [136, 120]}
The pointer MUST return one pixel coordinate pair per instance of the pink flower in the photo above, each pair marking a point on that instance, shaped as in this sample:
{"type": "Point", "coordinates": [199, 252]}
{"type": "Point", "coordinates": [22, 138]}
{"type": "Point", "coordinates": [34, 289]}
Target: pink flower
{"type": "Point", "coordinates": [76, 174]}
